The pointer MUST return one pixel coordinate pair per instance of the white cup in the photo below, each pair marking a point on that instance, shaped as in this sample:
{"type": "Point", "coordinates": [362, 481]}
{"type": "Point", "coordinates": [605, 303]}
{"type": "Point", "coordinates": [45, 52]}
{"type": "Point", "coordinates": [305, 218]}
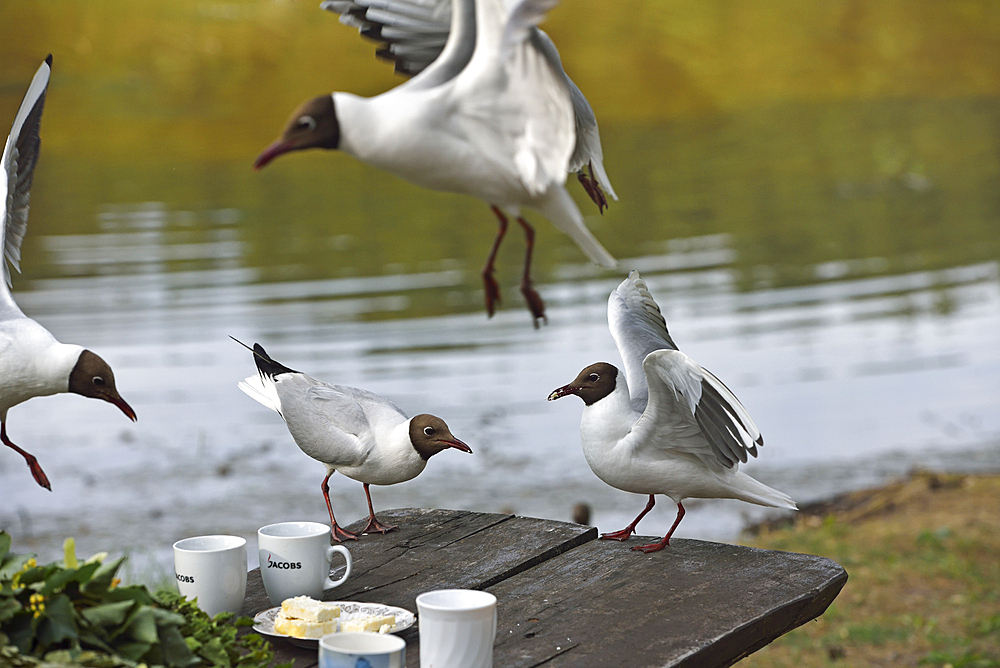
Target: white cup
{"type": "Point", "coordinates": [457, 627]}
{"type": "Point", "coordinates": [212, 569]}
{"type": "Point", "coordinates": [295, 559]}
{"type": "Point", "coordinates": [346, 650]}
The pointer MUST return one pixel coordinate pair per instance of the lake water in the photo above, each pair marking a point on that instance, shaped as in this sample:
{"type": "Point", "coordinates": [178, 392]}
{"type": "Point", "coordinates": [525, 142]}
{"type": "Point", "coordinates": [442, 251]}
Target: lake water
{"type": "Point", "coordinates": [836, 263]}
{"type": "Point", "coordinates": [852, 382]}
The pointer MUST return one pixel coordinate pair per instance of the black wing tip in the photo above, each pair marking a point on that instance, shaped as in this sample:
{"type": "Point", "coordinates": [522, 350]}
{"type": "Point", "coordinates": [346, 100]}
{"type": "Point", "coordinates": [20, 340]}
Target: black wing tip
{"type": "Point", "coordinates": [48, 60]}
{"type": "Point", "coordinates": [266, 365]}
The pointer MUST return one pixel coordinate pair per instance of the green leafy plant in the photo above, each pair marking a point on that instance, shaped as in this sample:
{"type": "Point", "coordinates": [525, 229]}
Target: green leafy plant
{"type": "Point", "coordinates": [73, 612]}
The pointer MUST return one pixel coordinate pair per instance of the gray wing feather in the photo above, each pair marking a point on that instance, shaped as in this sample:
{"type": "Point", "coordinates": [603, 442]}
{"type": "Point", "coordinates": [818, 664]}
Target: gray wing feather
{"type": "Point", "coordinates": [19, 158]}
{"type": "Point", "coordinates": [725, 422]}
{"type": "Point", "coordinates": [588, 151]}
{"type": "Point", "coordinates": [412, 33]}
{"type": "Point", "coordinates": [328, 422]}
{"type": "Point", "coordinates": [683, 392]}
{"type": "Point", "coordinates": [337, 408]}
{"type": "Point", "coordinates": [638, 328]}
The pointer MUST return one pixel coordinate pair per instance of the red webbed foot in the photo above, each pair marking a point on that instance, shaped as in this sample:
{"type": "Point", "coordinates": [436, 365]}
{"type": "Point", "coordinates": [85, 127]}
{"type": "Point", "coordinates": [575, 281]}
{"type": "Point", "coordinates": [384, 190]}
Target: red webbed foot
{"type": "Point", "coordinates": [622, 535]}
{"type": "Point", "coordinates": [341, 534]}
{"type": "Point", "coordinates": [374, 526]}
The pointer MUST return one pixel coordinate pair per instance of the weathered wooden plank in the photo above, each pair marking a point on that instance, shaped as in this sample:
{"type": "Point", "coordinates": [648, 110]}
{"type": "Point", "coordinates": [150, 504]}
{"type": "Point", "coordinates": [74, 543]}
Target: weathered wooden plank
{"type": "Point", "coordinates": [566, 599]}
{"type": "Point", "coordinates": [435, 549]}
{"type": "Point", "coordinates": [694, 603]}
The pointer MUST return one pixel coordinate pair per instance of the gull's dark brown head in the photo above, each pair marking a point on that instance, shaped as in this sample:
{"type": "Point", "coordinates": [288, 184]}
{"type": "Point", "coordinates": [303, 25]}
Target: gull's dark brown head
{"type": "Point", "coordinates": [592, 384]}
{"type": "Point", "coordinates": [430, 435]}
{"type": "Point", "coordinates": [313, 125]}
{"type": "Point", "coordinates": [92, 377]}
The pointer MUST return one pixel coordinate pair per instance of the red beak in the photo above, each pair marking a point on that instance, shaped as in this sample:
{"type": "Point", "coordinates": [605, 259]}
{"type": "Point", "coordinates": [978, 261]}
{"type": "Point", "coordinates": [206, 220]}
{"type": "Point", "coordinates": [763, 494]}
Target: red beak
{"type": "Point", "coordinates": [279, 147]}
{"type": "Point", "coordinates": [562, 392]}
{"type": "Point", "coordinates": [458, 445]}
{"type": "Point", "coordinates": [125, 408]}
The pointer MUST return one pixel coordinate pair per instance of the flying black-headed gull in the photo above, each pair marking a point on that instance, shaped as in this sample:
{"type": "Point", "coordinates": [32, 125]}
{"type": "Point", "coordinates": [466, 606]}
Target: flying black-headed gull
{"type": "Point", "coordinates": [362, 435]}
{"type": "Point", "coordinates": [666, 425]}
{"type": "Point", "coordinates": [32, 362]}
{"type": "Point", "coordinates": [490, 113]}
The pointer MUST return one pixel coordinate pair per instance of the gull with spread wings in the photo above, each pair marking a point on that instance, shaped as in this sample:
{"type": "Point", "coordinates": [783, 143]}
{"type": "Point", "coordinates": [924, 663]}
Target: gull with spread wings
{"type": "Point", "coordinates": [489, 112]}
{"type": "Point", "coordinates": [32, 362]}
{"type": "Point", "coordinates": [666, 425]}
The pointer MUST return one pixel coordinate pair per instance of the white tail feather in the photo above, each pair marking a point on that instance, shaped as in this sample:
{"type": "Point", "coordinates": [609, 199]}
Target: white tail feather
{"type": "Point", "coordinates": [561, 210]}
{"type": "Point", "coordinates": [747, 489]}
{"type": "Point", "coordinates": [261, 391]}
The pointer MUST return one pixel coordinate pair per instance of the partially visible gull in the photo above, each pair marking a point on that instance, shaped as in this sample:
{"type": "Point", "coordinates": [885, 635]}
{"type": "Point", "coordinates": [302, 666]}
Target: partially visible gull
{"type": "Point", "coordinates": [32, 362]}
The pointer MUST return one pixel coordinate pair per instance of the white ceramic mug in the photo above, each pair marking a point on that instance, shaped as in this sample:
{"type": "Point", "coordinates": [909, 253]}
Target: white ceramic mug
{"type": "Point", "coordinates": [457, 627]}
{"type": "Point", "coordinates": [212, 569]}
{"type": "Point", "coordinates": [346, 650]}
{"type": "Point", "coordinates": [295, 559]}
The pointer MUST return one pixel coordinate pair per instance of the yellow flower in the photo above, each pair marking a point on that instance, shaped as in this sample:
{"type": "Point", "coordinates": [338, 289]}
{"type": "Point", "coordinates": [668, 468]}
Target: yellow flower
{"type": "Point", "coordinates": [30, 563]}
{"type": "Point", "coordinates": [36, 603]}
{"type": "Point", "coordinates": [115, 582]}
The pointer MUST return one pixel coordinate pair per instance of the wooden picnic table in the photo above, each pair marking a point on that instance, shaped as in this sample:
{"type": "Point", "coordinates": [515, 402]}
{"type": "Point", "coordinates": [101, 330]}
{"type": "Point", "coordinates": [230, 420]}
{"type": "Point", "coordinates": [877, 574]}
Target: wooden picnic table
{"type": "Point", "coordinates": [565, 598]}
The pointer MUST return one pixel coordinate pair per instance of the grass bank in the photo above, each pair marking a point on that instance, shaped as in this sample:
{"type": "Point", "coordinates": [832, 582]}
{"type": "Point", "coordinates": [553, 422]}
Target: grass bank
{"type": "Point", "coordinates": [924, 562]}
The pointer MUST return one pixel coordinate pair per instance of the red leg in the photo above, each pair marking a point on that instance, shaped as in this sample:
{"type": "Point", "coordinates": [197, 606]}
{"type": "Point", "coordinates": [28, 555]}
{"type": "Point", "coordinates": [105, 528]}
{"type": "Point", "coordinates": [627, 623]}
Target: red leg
{"type": "Point", "coordinates": [36, 469]}
{"type": "Point", "coordinates": [592, 188]}
{"type": "Point", "coordinates": [339, 533]}
{"type": "Point", "coordinates": [489, 283]}
{"type": "Point", "coordinates": [656, 547]}
{"type": "Point", "coordinates": [624, 534]}
{"type": "Point", "coordinates": [373, 524]}
{"type": "Point", "coordinates": [535, 303]}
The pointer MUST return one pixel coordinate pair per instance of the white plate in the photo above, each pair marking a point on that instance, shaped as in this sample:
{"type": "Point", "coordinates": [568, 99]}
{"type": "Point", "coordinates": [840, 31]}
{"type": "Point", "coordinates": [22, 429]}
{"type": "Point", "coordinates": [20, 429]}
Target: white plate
{"type": "Point", "coordinates": [263, 622]}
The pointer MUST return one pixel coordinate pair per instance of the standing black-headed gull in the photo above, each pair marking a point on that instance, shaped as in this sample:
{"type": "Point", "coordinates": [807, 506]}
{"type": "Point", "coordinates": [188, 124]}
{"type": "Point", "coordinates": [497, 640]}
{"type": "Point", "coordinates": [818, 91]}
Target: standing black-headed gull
{"type": "Point", "coordinates": [667, 425]}
{"type": "Point", "coordinates": [490, 113]}
{"type": "Point", "coordinates": [32, 362]}
{"type": "Point", "coordinates": [362, 435]}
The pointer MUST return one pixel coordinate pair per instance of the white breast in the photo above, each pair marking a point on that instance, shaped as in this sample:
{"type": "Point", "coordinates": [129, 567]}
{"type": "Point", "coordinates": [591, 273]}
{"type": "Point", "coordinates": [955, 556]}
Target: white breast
{"type": "Point", "coordinates": [32, 362]}
{"type": "Point", "coordinates": [393, 459]}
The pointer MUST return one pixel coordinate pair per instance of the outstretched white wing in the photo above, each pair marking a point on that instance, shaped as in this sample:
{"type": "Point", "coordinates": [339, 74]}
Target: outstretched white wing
{"type": "Point", "coordinates": [514, 104]}
{"type": "Point", "coordinates": [692, 411]}
{"type": "Point", "coordinates": [638, 328]}
{"type": "Point", "coordinates": [412, 33]}
{"type": "Point", "coordinates": [19, 157]}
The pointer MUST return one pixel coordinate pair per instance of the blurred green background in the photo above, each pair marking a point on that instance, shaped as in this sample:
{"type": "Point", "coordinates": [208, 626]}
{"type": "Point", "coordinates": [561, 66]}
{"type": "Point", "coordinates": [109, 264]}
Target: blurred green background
{"type": "Point", "coordinates": [863, 133]}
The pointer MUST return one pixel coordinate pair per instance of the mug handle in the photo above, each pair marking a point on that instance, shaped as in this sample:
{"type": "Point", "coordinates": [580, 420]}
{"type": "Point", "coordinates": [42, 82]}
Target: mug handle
{"type": "Point", "coordinates": [330, 584]}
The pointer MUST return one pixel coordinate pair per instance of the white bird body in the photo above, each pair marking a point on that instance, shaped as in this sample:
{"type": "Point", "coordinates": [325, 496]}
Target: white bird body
{"type": "Point", "coordinates": [355, 432]}
{"type": "Point", "coordinates": [490, 113]}
{"type": "Point", "coordinates": [672, 459]}
{"type": "Point", "coordinates": [32, 362]}
{"type": "Point", "coordinates": [440, 160]}
{"type": "Point", "coordinates": [666, 425]}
